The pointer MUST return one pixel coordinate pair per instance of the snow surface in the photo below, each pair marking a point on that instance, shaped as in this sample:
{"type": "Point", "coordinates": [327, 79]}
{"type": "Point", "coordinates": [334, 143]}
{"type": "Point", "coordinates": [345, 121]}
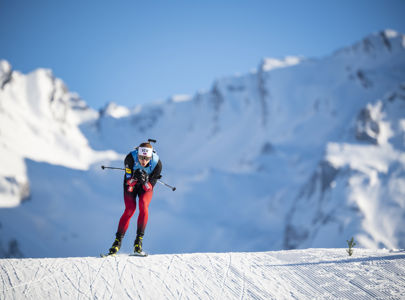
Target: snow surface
{"type": "Point", "coordinates": [294, 274]}
{"type": "Point", "coordinates": [299, 154]}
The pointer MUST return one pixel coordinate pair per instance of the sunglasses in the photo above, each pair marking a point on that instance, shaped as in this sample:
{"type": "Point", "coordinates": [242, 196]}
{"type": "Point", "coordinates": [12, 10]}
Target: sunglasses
{"type": "Point", "coordinates": [141, 157]}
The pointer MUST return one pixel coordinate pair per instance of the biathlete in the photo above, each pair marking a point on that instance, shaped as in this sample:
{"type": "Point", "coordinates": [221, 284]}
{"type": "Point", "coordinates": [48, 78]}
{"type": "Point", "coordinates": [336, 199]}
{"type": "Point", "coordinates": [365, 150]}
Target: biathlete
{"type": "Point", "coordinates": [142, 170]}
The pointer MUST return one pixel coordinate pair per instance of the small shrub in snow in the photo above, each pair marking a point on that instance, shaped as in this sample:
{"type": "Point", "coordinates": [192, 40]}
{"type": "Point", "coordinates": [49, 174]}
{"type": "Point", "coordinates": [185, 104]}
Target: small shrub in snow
{"type": "Point", "coordinates": [351, 243]}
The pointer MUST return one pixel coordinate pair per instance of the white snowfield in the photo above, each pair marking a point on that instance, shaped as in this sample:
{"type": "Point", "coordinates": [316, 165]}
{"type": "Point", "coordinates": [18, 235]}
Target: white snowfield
{"type": "Point", "coordinates": [294, 274]}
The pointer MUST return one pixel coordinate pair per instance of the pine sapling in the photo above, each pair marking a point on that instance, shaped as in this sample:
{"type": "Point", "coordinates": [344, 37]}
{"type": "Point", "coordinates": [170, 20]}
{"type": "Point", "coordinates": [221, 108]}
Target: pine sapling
{"type": "Point", "coordinates": [351, 244]}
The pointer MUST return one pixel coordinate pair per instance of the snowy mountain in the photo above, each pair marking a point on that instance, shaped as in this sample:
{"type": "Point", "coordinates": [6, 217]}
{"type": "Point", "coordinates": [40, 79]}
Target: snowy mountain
{"type": "Point", "coordinates": [39, 120]}
{"type": "Point", "coordinates": [299, 153]}
{"type": "Point", "coordinates": [293, 274]}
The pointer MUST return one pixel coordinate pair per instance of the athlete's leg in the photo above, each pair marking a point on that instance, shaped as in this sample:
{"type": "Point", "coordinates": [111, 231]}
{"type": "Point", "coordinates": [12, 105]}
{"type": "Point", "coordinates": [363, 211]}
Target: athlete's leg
{"type": "Point", "coordinates": [130, 207]}
{"type": "Point", "coordinates": [144, 201]}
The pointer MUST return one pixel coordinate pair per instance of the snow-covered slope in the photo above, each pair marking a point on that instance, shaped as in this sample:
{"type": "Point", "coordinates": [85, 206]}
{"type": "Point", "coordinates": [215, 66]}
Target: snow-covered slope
{"type": "Point", "coordinates": [299, 153]}
{"type": "Point", "coordinates": [294, 274]}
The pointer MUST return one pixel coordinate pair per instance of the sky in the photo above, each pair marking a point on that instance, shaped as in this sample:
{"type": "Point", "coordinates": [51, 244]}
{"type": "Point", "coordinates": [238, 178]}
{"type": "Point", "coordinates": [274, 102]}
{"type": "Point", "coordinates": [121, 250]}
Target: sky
{"type": "Point", "coordinates": [136, 52]}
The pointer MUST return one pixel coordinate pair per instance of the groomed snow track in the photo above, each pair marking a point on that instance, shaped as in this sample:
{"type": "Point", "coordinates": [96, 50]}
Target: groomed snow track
{"type": "Point", "coordinates": [294, 274]}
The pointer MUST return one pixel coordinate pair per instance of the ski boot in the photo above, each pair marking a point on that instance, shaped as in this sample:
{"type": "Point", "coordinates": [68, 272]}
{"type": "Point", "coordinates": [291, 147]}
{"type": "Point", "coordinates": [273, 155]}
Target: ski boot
{"type": "Point", "coordinates": [116, 245]}
{"type": "Point", "coordinates": [138, 246]}
{"type": "Point", "coordinates": [138, 243]}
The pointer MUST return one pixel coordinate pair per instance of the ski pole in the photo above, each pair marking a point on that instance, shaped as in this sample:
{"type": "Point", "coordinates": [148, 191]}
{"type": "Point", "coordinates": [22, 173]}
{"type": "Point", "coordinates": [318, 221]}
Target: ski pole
{"type": "Point", "coordinates": [169, 186]}
{"type": "Point", "coordinates": [160, 181]}
{"type": "Point", "coordinates": [114, 168]}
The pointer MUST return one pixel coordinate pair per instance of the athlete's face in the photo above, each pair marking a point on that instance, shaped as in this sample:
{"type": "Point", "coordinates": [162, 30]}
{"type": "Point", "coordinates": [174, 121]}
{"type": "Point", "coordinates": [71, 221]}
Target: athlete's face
{"type": "Point", "coordinates": [144, 160]}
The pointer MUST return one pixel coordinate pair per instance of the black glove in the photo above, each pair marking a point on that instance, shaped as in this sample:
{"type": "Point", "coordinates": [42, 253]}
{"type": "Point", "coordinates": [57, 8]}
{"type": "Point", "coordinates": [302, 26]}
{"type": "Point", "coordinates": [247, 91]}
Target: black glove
{"type": "Point", "coordinates": [137, 174]}
{"type": "Point", "coordinates": [144, 178]}
{"type": "Point", "coordinates": [141, 176]}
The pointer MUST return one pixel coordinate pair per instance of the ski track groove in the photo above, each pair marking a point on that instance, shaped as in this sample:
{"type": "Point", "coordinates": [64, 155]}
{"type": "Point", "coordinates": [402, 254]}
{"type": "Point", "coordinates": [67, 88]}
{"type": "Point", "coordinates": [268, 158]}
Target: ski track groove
{"type": "Point", "coordinates": [28, 286]}
{"type": "Point", "coordinates": [73, 283]}
{"type": "Point", "coordinates": [359, 283]}
{"type": "Point", "coordinates": [317, 281]}
{"type": "Point", "coordinates": [243, 280]}
{"type": "Point", "coordinates": [3, 284]}
{"type": "Point", "coordinates": [81, 278]}
{"type": "Point", "coordinates": [93, 278]}
{"type": "Point", "coordinates": [208, 263]}
{"type": "Point", "coordinates": [184, 274]}
{"type": "Point", "coordinates": [399, 277]}
{"type": "Point", "coordinates": [135, 285]}
{"type": "Point", "coordinates": [310, 283]}
{"type": "Point", "coordinates": [215, 275]}
{"type": "Point", "coordinates": [166, 274]}
{"type": "Point", "coordinates": [181, 276]}
{"type": "Point", "coordinates": [117, 278]}
{"type": "Point", "coordinates": [225, 275]}
{"type": "Point", "coordinates": [212, 266]}
{"type": "Point", "coordinates": [5, 272]}
{"type": "Point", "coordinates": [256, 286]}
{"type": "Point", "coordinates": [52, 268]}
{"type": "Point", "coordinates": [159, 278]}
{"type": "Point", "coordinates": [168, 267]}
{"type": "Point", "coordinates": [108, 289]}
{"type": "Point", "coordinates": [15, 272]}
{"type": "Point", "coordinates": [122, 282]}
{"type": "Point", "coordinates": [300, 284]}
{"type": "Point", "coordinates": [53, 282]}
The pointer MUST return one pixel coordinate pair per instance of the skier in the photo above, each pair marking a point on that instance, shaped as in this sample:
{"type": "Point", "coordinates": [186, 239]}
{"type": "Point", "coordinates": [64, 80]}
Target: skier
{"type": "Point", "coordinates": [142, 170]}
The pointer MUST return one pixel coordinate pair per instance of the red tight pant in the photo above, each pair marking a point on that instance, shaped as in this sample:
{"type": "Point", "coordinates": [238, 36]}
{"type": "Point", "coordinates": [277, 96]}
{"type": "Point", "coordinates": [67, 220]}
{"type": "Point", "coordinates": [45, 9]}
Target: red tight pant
{"type": "Point", "coordinates": [130, 207]}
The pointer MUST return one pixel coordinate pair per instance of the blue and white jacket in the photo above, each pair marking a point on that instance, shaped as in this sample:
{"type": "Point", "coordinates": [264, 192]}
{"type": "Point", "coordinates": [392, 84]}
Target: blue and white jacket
{"type": "Point", "coordinates": [153, 168]}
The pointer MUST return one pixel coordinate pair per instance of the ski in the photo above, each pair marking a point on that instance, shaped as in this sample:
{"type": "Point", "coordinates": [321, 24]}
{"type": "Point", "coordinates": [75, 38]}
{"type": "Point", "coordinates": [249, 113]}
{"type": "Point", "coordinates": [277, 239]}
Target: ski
{"type": "Point", "coordinates": [106, 255]}
{"type": "Point", "coordinates": [141, 254]}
